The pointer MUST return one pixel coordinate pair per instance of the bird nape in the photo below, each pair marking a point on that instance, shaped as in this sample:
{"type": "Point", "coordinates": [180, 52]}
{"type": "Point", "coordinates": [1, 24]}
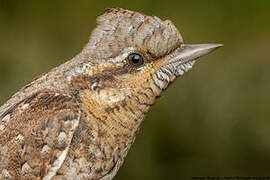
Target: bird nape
{"type": "Point", "coordinates": [79, 120]}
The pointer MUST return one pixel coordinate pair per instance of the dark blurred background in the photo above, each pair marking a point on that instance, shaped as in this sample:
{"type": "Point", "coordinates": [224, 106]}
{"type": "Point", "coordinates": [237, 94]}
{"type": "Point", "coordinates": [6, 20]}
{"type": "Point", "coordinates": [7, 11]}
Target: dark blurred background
{"type": "Point", "coordinates": [213, 121]}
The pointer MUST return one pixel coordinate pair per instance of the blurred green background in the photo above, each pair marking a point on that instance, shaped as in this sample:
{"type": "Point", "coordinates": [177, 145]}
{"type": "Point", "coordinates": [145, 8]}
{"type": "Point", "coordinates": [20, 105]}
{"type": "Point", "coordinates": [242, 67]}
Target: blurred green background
{"type": "Point", "coordinates": [213, 121]}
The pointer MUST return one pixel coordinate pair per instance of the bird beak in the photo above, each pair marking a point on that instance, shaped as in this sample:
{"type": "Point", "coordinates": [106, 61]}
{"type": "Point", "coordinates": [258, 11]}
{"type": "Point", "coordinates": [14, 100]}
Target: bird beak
{"type": "Point", "coordinates": [189, 52]}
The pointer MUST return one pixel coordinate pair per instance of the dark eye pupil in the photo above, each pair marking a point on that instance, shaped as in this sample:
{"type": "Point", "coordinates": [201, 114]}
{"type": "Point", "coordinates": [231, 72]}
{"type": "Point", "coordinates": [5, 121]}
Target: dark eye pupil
{"type": "Point", "coordinates": [135, 59]}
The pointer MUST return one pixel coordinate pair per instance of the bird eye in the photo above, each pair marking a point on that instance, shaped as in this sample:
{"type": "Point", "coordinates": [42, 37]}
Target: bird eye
{"type": "Point", "coordinates": [135, 60]}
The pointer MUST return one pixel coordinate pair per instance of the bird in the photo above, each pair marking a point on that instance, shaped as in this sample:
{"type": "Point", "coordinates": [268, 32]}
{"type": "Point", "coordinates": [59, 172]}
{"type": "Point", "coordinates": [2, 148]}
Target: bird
{"type": "Point", "coordinates": [79, 120]}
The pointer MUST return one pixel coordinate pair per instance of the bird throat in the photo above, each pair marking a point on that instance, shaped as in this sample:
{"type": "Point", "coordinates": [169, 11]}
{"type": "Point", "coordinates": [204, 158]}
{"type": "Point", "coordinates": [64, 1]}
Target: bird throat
{"type": "Point", "coordinates": [117, 113]}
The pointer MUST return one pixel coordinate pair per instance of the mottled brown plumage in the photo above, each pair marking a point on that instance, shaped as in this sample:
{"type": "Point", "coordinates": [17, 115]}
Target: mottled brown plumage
{"type": "Point", "coordinates": [79, 120]}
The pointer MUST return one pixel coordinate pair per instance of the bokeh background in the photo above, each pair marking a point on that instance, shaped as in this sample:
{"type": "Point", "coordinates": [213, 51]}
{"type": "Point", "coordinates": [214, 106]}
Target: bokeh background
{"type": "Point", "coordinates": [215, 121]}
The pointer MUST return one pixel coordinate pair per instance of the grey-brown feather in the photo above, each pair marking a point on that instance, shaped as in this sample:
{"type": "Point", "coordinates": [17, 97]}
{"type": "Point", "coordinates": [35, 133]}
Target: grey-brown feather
{"type": "Point", "coordinates": [36, 134]}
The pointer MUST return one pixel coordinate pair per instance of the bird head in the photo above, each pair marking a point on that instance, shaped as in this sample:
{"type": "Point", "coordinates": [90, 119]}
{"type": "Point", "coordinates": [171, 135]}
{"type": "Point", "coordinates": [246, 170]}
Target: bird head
{"type": "Point", "coordinates": [134, 57]}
